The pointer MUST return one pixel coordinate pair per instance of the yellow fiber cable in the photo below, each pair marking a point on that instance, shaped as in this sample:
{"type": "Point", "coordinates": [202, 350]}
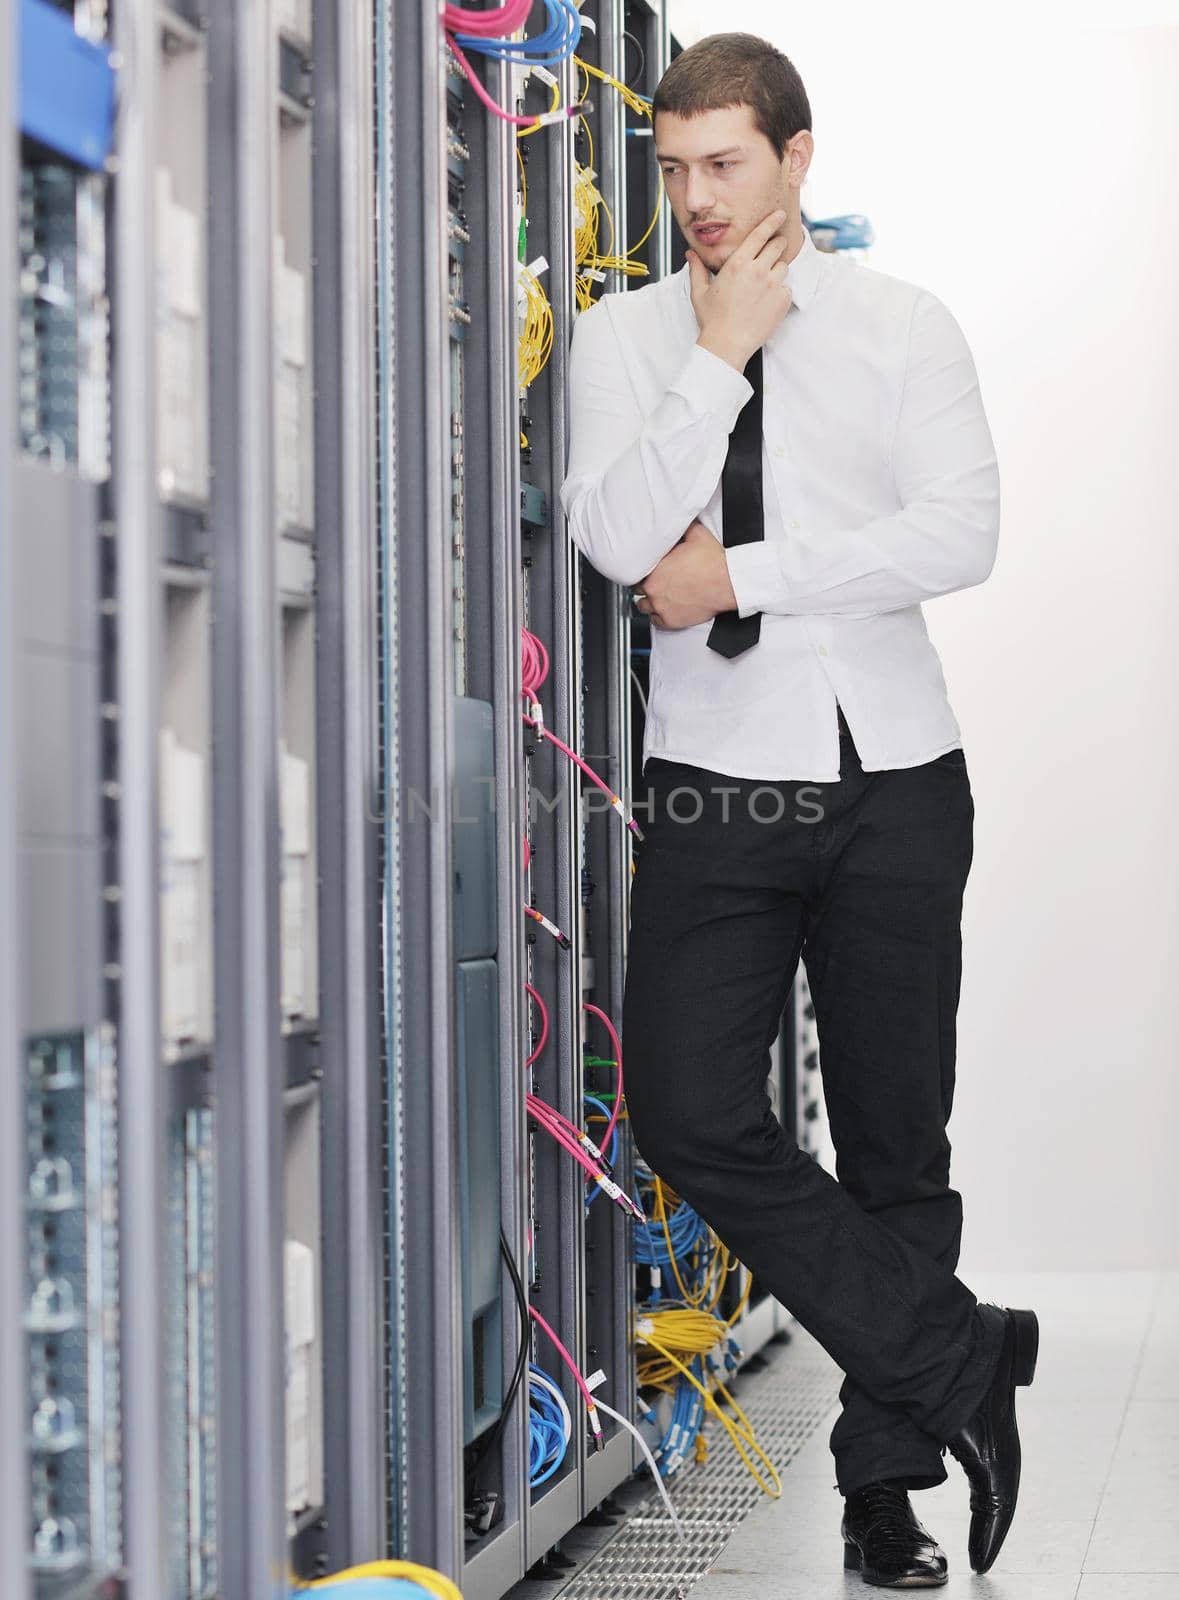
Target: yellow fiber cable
{"type": "Point", "coordinates": [634, 100]}
{"type": "Point", "coordinates": [589, 258]}
{"type": "Point", "coordinates": [433, 1582]}
{"type": "Point", "coordinates": [535, 343]}
{"type": "Point", "coordinates": [554, 101]}
{"type": "Point", "coordinates": [661, 1217]}
{"type": "Point", "coordinates": [740, 1432]}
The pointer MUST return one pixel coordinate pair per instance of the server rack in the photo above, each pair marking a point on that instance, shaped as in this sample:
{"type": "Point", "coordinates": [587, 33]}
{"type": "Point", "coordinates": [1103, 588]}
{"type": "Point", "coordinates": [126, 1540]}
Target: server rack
{"type": "Point", "coordinates": [63, 960]}
{"type": "Point", "coordinates": [267, 946]}
{"type": "Point", "coordinates": [14, 1482]}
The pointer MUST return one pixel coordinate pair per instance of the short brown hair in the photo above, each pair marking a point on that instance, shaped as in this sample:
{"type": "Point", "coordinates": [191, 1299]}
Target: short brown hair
{"type": "Point", "coordinates": [737, 69]}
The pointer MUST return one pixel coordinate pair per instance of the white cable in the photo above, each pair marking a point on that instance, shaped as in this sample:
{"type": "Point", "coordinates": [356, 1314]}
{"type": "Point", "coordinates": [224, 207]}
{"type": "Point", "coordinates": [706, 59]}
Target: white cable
{"type": "Point", "coordinates": [643, 1446]}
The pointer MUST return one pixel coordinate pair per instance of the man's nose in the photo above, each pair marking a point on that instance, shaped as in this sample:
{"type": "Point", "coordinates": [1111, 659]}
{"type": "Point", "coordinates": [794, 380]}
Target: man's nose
{"type": "Point", "coordinates": [699, 196]}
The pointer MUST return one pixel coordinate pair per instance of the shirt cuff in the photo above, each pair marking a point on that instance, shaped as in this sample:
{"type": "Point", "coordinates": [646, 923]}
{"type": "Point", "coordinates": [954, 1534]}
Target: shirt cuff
{"type": "Point", "coordinates": [755, 575]}
{"type": "Point", "coordinates": [712, 386]}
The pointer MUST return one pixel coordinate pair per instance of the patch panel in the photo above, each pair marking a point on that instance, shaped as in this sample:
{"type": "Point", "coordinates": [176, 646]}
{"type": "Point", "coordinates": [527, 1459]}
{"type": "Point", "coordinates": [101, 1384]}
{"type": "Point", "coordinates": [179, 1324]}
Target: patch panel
{"type": "Point", "coordinates": [72, 1290]}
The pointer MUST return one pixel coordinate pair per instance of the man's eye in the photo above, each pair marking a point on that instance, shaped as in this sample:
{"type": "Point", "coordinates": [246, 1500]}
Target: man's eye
{"type": "Point", "coordinates": [726, 164]}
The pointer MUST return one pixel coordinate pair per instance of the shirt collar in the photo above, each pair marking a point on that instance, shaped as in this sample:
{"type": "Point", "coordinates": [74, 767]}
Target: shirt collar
{"type": "Point", "coordinates": [802, 274]}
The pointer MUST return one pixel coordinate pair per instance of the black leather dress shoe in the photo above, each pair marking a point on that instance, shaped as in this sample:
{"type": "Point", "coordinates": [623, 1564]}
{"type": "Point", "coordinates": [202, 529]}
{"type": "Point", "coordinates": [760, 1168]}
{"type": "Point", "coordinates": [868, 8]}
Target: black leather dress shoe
{"type": "Point", "coordinates": [988, 1446]}
{"type": "Point", "coordinates": [885, 1543]}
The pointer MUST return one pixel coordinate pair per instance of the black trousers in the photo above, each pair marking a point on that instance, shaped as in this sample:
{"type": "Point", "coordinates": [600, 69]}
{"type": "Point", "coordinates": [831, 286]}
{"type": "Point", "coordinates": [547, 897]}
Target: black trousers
{"type": "Point", "coordinates": [863, 878]}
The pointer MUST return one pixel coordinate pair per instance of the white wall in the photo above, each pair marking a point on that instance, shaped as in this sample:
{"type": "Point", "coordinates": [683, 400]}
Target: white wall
{"type": "Point", "coordinates": [1023, 163]}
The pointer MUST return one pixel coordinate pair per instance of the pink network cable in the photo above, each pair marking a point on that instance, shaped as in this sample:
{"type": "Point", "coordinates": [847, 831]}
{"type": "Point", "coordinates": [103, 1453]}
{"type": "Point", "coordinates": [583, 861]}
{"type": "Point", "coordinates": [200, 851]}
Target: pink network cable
{"type": "Point", "coordinates": [617, 1046]}
{"type": "Point", "coordinates": [568, 1135]}
{"type": "Point", "coordinates": [544, 1024]}
{"type": "Point", "coordinates": [587, 1394]}
{"type": "Point", "coordinates": [572, 1140]}
{"type": "Point", "coordinates": [534, 670]}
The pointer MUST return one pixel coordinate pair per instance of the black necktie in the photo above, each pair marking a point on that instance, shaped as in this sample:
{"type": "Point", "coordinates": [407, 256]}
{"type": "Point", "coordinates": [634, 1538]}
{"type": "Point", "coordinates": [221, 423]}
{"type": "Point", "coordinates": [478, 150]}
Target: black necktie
{"type": "Point", "coordinates": [741, 510]}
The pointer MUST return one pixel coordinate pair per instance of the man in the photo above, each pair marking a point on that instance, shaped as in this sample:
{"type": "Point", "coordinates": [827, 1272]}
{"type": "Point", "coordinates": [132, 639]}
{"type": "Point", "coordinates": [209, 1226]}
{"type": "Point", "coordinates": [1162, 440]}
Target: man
{"type": "Point", "coordinates": [785, 454]}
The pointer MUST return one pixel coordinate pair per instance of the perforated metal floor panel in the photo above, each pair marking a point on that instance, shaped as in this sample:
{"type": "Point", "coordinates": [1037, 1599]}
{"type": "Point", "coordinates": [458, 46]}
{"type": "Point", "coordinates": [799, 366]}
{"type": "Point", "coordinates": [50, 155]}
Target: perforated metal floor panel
{"type": "Point", "coordinates": [644, 1559]}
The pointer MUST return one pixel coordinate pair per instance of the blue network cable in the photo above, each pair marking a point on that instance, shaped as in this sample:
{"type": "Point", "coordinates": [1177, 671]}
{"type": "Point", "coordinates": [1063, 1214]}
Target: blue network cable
{"type": "Point", "coordinates": [557, 43]}
{"type": "Point", "coordinates": [595, 1189]}
{"type": "Point", "coordinates": [549, 1438]}
{"type": "Point", "coordinates": [685, 1422]}
{"type": "Point", "coordinates": [692, 1246]}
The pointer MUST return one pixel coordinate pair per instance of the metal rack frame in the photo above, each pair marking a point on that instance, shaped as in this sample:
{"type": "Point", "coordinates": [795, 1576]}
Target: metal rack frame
{"type": "Point", "coordinates": [14, 1485]}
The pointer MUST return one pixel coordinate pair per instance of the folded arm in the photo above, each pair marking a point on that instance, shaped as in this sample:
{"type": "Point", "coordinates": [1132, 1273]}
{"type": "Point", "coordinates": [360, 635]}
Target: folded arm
{"type": "Point", "coordinates": [634, 483]}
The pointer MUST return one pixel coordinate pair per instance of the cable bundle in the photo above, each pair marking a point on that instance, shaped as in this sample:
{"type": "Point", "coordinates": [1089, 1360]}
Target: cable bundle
{"type": "Point", "coordinates": [683, 1432]}
{"type": "Point", "coordinates": [700, 1263]}
{"type": "Point", "coordinates": [488, 33]}
{"type": "Point", "coordinates": [582, 1148]}
{"type": "Point", "coordinates": [686, 1346]}
{"type": "Point", "coordinates": [479, 29]}
{"type": "Point", "coordinates": [574, 1140]}
{"type": "Point", "coordinates": [535, 342]}
{"type": "Point", "coordinates": [587, 203]}
{"type": "Point", "coordinates": [550, 1426]}
{"type": "Point", "coordinates": [637, 102]}
{"type": "Point", "coordinates": [582, 1384]}
{"type": "Point", "coordinates": [685, 1238]}
{"type": "Point", "coordinates": [372, 1581]}
{"type": "Point", "coordinates": [375, 1589]}
{"type": "Point", "coordinates": [593, 263]}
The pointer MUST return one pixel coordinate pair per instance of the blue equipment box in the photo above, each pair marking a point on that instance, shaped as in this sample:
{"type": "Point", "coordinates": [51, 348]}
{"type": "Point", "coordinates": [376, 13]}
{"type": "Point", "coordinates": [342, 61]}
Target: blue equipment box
{"type": "Point", "coordinates": [67, 87]}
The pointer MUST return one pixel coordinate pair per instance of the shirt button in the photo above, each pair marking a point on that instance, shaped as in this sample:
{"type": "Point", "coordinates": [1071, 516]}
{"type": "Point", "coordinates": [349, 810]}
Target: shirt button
{"type": "Point", "coordinates": [778, 450]}
{"type": "Point", "coordinates": [822, 649]}
{"type": "Point", "coordinates": [794, 524]}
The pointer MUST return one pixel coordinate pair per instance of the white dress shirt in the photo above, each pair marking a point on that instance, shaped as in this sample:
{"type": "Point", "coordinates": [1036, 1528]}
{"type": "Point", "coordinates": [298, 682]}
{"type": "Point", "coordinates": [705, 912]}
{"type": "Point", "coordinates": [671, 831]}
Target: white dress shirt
{"type": "Point", "coordinates": [881, 490]}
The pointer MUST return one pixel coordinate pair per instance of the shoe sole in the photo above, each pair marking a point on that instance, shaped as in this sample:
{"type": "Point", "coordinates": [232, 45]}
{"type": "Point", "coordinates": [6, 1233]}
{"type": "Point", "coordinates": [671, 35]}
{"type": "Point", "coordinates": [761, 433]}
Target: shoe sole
{"type": "Point", "coordinates": [853, 1562]}
{"type": "Point", "coordinates": [1027, 1346]}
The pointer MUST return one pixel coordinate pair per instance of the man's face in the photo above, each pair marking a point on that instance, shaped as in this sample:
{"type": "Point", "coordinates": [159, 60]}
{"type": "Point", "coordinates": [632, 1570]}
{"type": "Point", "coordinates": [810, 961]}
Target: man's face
{"type": "Point", "coordinates": [723, 177]}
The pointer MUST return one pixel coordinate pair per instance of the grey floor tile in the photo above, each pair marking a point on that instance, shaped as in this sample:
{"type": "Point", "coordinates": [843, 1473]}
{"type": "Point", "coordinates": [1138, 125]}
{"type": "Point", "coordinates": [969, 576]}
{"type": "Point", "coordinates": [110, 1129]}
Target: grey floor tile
{"type": "Point", "coordinates": [1131, 1494]}
{"type": "Point", "coordinates": [838, 1585]}
{"type": "Point", "coordinates": [1135, 1540]}
{"type": "Point", "coordinates": [1158, 1376]}
{"type": "Point", "coordinates": [1127, 1586]}
{"type": "Point", "coordinates": [1149, 1439]}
